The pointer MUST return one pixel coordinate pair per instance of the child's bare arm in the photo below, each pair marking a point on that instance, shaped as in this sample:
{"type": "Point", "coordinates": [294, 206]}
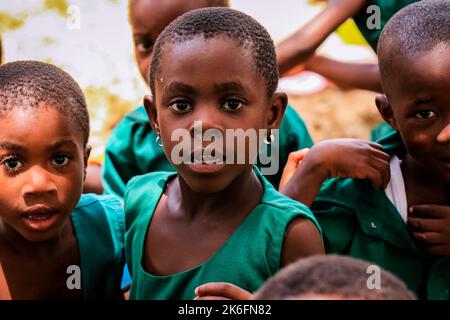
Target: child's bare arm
{"type": "Point", "coordinates": [430, 226]}
{"type": "Point", "coordinates": [364, 76]}
{"type": "Point", "coordinates": [297, 48]}
{"type": "Point", "coordinates": [345, 158]}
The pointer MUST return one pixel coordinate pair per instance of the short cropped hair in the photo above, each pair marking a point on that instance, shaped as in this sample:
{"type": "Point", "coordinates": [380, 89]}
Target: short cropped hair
{"type": "Point", "coordinates": [29, 84]}
{"type": "Point", "coordinates": [214, 22]}
{"type": "Point", "coordinates": [412, 31]}
{"type": "Point", "coordinates": [331, 275]}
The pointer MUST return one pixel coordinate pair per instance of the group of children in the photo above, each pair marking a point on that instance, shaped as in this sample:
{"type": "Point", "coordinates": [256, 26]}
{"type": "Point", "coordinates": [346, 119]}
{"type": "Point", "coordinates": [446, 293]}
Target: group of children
{"type": "Point", "coordinates": [209, 229]}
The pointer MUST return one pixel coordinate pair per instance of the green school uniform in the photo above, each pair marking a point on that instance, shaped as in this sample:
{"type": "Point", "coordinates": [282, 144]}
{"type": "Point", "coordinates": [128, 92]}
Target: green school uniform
{"type": "Point", "coordinates": [249, 256]}
{"type": "Point", "coordinates": [361, 222]}
{"type": "Point", "coordinates": [387, 9]}
{"type": "Point", "coordinates": [132, 151]}
{"type": "Point", "coordinates": [99, 226]}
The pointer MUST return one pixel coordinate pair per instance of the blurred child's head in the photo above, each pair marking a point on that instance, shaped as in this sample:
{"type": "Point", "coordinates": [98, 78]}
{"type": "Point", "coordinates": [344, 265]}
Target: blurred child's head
{"type": "Point", "coordinates": [1, 50]}
{"type": "Point", "coordinates": [414, 58]}
{"type": "Point", "coordinates": [148, 18]}
{"type": "Point", "coordinates": [44, 128]}
{"type": "Point", "coordinates": [205, 68]}
{"type": "Point", "coordinates": [332, 277]}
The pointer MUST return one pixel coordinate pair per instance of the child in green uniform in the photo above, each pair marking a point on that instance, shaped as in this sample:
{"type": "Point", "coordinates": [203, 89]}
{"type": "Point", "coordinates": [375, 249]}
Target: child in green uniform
{"type": "Point", "coordinates": [130, 150]}
{"type": "Point", "coordinates": [53, 244]}
{"type": "Point", "coordinates": [212, 216]}
{"type": "Point", "coordinates": [393, 206]}
{"type": "Point", "coordinates": [403, 227]}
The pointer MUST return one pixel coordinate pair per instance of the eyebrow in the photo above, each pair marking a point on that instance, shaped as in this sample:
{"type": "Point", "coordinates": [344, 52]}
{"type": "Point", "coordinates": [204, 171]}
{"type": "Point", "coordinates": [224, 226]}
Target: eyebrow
{"type": "Point", "coordinates": [423, 101]}
{"type": "Point", "coordinates": [62, 143]}
{"type": "Point", "coordinates": [229, 86]}
{"type": "Point", "coordinates": [18, 148]}
{"type": "Point", "coordinates": [176, 87]}
{"type": "Point", "coordinates": [11, 146]}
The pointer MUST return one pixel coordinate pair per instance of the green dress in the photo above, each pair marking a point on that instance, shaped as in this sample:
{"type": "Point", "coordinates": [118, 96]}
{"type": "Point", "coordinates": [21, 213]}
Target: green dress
{"type": "Point", "coordinates": [249, 256]}
{"type": "Point", "coordinates": [387, 9]}
{"type": "Point", "coordinates": [132, 151]}
{"type": "Point", "coordinates": [99, 225]}
{"type": "Point", "coordinates": [361, 222]}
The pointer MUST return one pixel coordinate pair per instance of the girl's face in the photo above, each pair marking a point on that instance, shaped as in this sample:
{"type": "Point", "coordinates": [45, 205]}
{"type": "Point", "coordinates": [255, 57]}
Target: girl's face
{"type": "Point", "coordinates": [148, 18]}
{"type": "Point", "coordinates": [215, 82]}
{"type": "Point", "coordinates": [42, 163]}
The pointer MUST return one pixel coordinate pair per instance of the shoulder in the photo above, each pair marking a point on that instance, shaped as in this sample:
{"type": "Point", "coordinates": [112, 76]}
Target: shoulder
{"type": "Point", "coordinates": [283, 209]}
{"type": "Point", "coordinates": [136, 120]}
{"type": "Point", "coordinates": [101, 210]}
{"type": "Point", "coordinates": [143, 182]}
{"type": "Point", "coordinates": [138, 115]}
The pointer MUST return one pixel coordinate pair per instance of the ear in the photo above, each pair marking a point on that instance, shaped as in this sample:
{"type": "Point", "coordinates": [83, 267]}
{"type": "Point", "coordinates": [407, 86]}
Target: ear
{"type": "Point", "coordinates": [385, 109]}
{"type": "Point", "coordinates": [150, 108]}
{"type": "Point", "coordinates": [87, 153]}
{"type": "Point", "coordinates": [277, 108]}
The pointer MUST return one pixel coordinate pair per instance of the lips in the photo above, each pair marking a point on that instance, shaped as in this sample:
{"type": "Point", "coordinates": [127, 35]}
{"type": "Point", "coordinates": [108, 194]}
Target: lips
{"type": "Point", "coordinates": [40, 218]}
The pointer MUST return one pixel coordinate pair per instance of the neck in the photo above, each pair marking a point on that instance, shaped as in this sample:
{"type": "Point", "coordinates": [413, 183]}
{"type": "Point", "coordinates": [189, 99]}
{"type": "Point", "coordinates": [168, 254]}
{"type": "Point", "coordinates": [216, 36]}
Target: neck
{"type": "Point", "coordinates": [422, 186]}
{"type": "Point", "coordinates": [245, 191]}
{"type": "Point", "coordinates": [16, 242]}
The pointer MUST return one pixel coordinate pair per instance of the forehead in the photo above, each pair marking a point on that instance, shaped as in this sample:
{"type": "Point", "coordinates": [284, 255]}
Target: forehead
{"type": "Point", "coordinates": [428, 71]}
{"type": "Point", "coordinates": [36, 127]}
{"type": "Point", "coordinates": [217, 59]}
{"type": "Point", "coordinates": [154, 15]}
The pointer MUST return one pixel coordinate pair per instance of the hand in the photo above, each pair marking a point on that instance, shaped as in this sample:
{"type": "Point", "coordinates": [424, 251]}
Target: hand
{"type": "Point", "coordinates": [430, 227]}
{"type": "Point", "coordinates": [292, 164]}
{"type": "Point", "coordinates": [221, 291]}
{"type": "Point", "coordinates": [350, 158]}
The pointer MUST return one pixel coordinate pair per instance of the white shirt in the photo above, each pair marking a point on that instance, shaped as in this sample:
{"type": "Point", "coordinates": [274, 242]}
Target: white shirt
{"type": "Point", "coordinates": [395, 190]}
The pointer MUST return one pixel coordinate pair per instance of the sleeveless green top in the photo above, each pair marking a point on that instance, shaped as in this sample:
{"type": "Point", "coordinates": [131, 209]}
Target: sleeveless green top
{"type": "Point", "coordinates": [99, 226]}
{"type": "Point", "coordinates": [247, 259]}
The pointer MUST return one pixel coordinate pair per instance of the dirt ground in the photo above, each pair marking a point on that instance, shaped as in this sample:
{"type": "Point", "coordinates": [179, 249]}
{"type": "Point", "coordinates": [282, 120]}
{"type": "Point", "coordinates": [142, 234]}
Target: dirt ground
{"type": "Point", "coordinates": [336, 113]}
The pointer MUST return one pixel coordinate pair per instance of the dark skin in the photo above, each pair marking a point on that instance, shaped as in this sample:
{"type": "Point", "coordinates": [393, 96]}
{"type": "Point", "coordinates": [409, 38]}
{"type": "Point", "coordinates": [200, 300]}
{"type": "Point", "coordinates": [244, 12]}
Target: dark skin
{"type": "Point", "coordinates": [195, 204]}
{"type": "Point", "coordinates": [417, 106]}
{"type": "Point", "coordinates": [147, 18]}
{"type": "Point", "coordinates": [43, 161]}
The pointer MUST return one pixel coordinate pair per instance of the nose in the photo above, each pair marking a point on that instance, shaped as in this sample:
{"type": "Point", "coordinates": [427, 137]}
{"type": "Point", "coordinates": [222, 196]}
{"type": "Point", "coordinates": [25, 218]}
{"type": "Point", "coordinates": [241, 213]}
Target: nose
{"type": "Point", "coordinates": [39, 182]}
{"type": "Point", "coordinates": [206, 117]}
{"type": "Point", "coordinates": [444, 135]}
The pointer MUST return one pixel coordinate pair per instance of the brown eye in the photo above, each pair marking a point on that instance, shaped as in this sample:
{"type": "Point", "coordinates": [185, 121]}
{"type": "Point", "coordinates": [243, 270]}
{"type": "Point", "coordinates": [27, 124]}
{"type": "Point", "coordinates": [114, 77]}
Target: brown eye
{"type": "Point", "coordinates": [425, 114]}
{"type": "Point", "coordinates": [232, 105]}
{"type": "Point", "coordinates": [60, 160]}
{"type": "Point", "coordinates": [180, 106]}
{"type": "Point", "coordinates": [12, 164]}
{"type": "Point", "coordinates": [144, 46]}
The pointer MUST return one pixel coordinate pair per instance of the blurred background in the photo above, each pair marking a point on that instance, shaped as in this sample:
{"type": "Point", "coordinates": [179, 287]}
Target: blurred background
{"type": "Point", "coordinates": [92, 41]}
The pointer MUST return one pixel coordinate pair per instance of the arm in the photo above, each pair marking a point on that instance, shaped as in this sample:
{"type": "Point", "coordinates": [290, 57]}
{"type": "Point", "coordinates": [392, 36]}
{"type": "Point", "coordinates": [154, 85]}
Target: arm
{"type": "Point", "coordinates": [345, 158]}
{"type": "Point", "coordinates": [297, 48]}
{"type": "Point", "coordinates": [302, 240]}
{"type": "Point", "coordinates": [364, 76]}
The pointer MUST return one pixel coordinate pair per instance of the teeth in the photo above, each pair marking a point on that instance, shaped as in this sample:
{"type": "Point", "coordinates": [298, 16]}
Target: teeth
{"type": "Point", "coordinates": [40, 217]}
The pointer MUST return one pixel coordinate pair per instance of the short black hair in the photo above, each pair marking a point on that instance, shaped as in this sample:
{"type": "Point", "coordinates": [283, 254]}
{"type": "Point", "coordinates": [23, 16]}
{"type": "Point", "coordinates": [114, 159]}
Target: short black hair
{"type": "Point", "coordinates": [331, 275]}
{"type": "Point", "coordinates": [412, 31]}
{"type": "Point", "coordinates": [214, 22]}
{"type": "Point", "coordinates": [28, 84]}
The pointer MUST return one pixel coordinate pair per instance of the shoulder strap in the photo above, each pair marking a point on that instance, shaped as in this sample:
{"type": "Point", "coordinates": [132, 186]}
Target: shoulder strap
{"type": "Point", "coordinates": [4, 290]}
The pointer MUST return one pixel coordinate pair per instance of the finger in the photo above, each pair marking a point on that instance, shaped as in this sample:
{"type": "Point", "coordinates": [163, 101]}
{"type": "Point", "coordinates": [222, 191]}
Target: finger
{"type": "Point", "coordinates": [422, 225]}
{"type": "Point", "coordinates": [380, 155]}
{"type": "Point", "coordinates": [375, 145]}
{"type": "Point", "coordinates": [430, 211]}
{"type": "Point", "coordinates": [375, 177]}
{"type": "Point", "coordinates": [223, 289]}
{"type": "Point", "coordinates": [429, 237]}
{"type": "Point", "coordinates": [211, 298]}
{"type": "Point", "coordinates": [383, 167]}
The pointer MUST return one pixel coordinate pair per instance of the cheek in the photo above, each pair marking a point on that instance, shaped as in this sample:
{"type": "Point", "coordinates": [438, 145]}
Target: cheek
{"type": "Point", "coordinates": [418, 144]}
{"type": "Point", "coordinates": [143, 61]}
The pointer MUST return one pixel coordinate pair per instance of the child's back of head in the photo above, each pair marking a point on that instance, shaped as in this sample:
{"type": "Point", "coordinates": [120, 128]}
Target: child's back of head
{"type": "Point", "coordinates": [332, 277]}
